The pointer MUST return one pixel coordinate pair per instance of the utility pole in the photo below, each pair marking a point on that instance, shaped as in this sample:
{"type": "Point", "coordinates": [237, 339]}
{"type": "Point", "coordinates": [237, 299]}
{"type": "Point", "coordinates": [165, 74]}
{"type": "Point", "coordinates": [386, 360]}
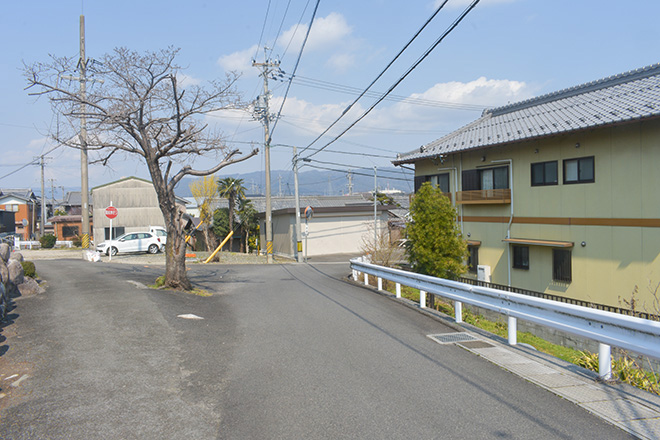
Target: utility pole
{"type": "Point", "coordinates": [43, 198]}
{"type": "Point", "coordinates": [262, 112]}
{"type": "Point", "coordinates": [375, 209]}
{"type": "Point", "coordinates": [82, 65]}
{"type": "Point", "coordinates": [52, 194]}
{"type": "Point", "coordinates": [350, 182]}
{"type": "Point", "coordinates": [299, 256]}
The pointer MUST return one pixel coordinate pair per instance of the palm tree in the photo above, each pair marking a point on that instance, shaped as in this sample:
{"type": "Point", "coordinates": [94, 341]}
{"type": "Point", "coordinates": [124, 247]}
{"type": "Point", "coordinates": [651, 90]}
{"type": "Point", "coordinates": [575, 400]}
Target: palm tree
{"type": "Point", "coordinates": [232, 189]}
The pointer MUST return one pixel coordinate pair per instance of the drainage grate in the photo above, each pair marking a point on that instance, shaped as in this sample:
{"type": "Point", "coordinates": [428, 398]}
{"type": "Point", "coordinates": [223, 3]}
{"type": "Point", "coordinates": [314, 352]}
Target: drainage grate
{"type": "Point", "coordinates": [451, 338]}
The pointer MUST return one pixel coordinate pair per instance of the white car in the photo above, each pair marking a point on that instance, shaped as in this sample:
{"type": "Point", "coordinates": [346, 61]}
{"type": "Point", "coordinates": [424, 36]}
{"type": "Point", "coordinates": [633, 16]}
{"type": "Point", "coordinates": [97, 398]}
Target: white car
{"type": "Point", "coordinates": [131, 242]}
{"type": "Point", "coordinates": [159, 232]}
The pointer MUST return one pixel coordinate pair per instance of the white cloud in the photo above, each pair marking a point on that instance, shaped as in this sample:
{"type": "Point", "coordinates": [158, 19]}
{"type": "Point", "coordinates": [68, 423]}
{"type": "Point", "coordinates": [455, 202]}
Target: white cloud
{"type": "Point", "coordinates": [341, 62]}
{"type": "Point", "coordinates": [482, 91]}
{"type": "Point", "coordinates": [240, 61]}
{"type": "Point", "coordinates": [407, 116]}
{"type": "Point", "coordinates": [326, 32]}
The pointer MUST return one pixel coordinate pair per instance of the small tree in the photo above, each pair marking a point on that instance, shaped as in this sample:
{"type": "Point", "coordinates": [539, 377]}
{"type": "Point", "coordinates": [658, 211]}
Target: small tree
{"type": "Point", "coordinates": [233, 190]}
{"type": "Point", "coordinates": [435, 246]}
{"type": "Point", "coordinates": [221, 223]}
{"type": "Point", "coordinates": [142, 110]}
{"type": "Point", "coordinates": [205, 192]}
{"type": "Point", "coordinates": [248, 216]}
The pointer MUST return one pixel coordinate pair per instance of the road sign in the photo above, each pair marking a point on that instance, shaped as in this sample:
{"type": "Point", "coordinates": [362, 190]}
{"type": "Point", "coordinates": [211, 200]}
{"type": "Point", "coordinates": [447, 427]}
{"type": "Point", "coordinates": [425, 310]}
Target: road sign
{"type": "Point", "coordinates": [111, 212]}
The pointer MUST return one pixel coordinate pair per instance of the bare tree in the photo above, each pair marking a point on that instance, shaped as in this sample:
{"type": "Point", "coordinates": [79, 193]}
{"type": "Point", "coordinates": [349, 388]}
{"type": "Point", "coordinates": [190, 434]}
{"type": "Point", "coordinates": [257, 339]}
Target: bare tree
{"type": "Point", "coordinates": [142, 108]}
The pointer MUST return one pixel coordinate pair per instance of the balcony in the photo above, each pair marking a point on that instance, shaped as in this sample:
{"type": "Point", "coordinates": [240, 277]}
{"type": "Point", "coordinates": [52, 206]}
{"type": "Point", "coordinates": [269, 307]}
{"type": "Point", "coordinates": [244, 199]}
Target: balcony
{"type": "Point", "coordinates": [484, 197]}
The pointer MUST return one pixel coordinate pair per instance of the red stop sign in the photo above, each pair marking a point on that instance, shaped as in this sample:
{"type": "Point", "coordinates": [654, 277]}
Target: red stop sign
{"type": "Point", "coordinates": [111, 212]}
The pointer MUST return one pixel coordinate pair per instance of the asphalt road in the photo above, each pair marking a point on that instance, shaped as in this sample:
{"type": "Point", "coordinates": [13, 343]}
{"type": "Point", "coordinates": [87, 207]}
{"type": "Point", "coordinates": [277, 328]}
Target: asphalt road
{"type": "Point", "coordinates": [282, 352]}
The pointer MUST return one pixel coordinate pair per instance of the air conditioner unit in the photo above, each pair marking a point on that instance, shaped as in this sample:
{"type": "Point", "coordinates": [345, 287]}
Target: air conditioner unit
{"type": "Point", "coordinates": [483, 273]}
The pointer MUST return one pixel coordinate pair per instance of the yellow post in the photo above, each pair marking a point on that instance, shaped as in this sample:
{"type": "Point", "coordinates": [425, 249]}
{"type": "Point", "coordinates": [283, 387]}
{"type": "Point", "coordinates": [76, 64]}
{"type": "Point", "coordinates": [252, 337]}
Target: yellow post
{"type": "Point", "coordinates": [191, 234]}
{"type": "Point", "coordinates": [219, 247]}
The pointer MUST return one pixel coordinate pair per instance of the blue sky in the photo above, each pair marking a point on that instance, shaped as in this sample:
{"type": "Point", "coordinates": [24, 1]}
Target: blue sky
{"type": "Point", "coordinates": [504, 51]}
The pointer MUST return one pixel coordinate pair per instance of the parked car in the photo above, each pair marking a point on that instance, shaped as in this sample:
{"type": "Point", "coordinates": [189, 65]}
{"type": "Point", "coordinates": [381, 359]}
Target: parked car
{"type": "Point", "coordinates": [131, 242]}
{"type": "Point", "coordinates": [159, 232]}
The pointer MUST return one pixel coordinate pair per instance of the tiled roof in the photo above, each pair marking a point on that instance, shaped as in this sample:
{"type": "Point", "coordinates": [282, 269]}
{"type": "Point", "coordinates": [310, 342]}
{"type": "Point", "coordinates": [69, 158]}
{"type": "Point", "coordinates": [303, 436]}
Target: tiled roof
{"type": "Point", "coordinates": [621, 98]}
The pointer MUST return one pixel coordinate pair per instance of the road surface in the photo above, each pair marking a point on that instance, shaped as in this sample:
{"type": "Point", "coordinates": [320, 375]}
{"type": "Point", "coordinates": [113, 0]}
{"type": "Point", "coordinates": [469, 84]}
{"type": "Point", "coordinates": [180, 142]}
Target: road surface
{"type": "Point", "coordinates": [282, 352]}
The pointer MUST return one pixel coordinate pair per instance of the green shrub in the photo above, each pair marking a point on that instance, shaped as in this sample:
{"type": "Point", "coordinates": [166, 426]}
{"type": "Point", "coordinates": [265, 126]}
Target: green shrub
{"type": "Point", "coordinates": [28, 269]}
{"type": "Point", "coordinates": [48, 241]}
{"type": "Point", "coordinates": [77, 241]}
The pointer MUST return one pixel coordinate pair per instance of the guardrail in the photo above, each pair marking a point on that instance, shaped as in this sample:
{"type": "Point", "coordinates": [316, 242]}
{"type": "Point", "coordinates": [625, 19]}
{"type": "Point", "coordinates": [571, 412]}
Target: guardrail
{"type": "Point", "coordinates": [608, 329]}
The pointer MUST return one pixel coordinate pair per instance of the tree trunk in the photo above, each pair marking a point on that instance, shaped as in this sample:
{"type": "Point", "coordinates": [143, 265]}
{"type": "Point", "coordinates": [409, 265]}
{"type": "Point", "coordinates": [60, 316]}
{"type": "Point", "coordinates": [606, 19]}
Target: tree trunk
{"type": "Point", "coordinates": [231, 222]}
{"type": "Point", "coordinates": [175, 249]}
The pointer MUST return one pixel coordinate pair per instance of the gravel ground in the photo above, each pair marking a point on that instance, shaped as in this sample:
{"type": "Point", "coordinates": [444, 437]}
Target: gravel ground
{"type": "Point", "coordinates": [151, 259]}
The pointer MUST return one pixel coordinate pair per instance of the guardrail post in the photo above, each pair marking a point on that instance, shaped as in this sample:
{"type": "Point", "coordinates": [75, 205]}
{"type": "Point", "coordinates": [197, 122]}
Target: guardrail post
{"type": "Point", "coordinates": [513, 330]}
{"type": "Point", "coordinates": [380, 284]}
{"type": "Point", "coordinates": [355, 275]}
{"type": "Point", "coordinates": [398, 290]}
{"type": "Point", "coordinates": [366, 279]}
{"type": "Point", "coordinates": [604, 361]}
{"type": "Point", "coordinates": [422, 299]}
{"type": "Point", "coordinates": [458, 311]}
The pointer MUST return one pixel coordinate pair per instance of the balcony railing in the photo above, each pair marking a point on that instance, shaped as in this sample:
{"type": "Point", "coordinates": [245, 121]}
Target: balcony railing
{"type": "Point", "coordinates": [484, 197]}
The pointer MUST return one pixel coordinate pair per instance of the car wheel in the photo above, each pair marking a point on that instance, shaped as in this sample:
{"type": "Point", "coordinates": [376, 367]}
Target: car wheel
{"type": "Point", "coordinates": [113, 251]}
{"type": "Point", "coordinates": [153, 249]}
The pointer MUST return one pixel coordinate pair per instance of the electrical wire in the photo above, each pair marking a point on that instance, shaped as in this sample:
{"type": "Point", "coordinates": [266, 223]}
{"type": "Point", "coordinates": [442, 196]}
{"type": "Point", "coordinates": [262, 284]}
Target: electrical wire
{"type": "Point", "coordinates": [281, 25]}
{"type": "Point", "coordinates": [357, 174]}
{"type": "Point", "coordinates": [379, 75]}
{"type": "Point", "coordinates": [410, 69]}
{"type": "Point", "coordinates": [340, 88]}
{"type": "Point", "coordinates": [295, 68]}
{"type": "Point", "coordinates": [263, 28]}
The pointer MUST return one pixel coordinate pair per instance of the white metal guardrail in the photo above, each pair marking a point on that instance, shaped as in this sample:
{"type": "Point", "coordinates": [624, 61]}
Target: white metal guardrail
{"type": "Point", "coordinates": [609, 329]}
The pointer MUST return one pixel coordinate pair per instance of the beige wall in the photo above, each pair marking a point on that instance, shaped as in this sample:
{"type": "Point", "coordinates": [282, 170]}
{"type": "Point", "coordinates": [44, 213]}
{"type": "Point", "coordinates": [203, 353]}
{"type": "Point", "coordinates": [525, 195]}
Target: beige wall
{"type": "Point", "coordinates": [615, 258]}
{"type": "Point", "coordinates": [136, 203]}
{"type": "Point", "coordinates": [329, 233]}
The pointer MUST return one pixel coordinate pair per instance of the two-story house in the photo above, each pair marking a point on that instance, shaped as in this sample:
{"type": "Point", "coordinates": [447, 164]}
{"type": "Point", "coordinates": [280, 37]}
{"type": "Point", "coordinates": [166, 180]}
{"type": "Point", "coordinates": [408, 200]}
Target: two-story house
{"type": "Point", "coordinates": [26, 208]}
{"type": "Point", "coordinates": [560, 194]}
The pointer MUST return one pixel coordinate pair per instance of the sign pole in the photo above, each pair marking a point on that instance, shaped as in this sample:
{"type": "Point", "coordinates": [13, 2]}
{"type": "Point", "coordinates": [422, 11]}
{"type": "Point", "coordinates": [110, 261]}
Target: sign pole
{"type": "Point", "coordinates": [110, 253]}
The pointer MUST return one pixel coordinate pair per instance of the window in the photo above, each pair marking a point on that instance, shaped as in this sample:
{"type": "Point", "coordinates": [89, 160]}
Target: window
{"type": "Point", "coordinates": [116, 232]}
{"type": "Point", "coordinates": [473, 259]}
{"type": "Point", "coordinates": [489, 178]}
{"type": "Point", "coordinates": [11, 208]}
{"type": "Point", "coordinates": [439, 180]}
{"type": "Point", "coordinates": [561, 265]}
{"type": "Point", "coordinates": [69, 231]}
{"type": "Point", "coordinates": [544, 173]}
{"type": "Point", "coordinates": [521, 257]}
{"type": "Point", "coordinates": [579, 170]}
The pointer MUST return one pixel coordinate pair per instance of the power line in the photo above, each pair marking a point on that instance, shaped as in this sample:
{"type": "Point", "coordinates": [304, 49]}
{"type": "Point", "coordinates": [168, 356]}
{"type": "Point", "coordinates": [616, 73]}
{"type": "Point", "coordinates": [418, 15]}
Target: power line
{"type": "Point", "coordinates": [357, 168]}
{"type": "Point", "coordinates": [378, 76]}
{"type": "Point", "coordinates": [340, 88]}
{"type": "Point", "coordinates": [263, 28]}
{"type": "Point", "coordinates": [295, 68]}
{"type": "Point", "coordinates": [357, 174]}
{"type": "Point", "coordinates": [410, 69]}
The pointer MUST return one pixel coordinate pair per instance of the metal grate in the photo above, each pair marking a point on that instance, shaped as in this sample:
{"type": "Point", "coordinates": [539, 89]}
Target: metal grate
{"type": "Point", "coordinates": [451, 338]}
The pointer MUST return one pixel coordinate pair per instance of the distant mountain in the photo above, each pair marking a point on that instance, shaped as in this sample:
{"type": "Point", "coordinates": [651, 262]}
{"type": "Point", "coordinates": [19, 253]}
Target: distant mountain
{"type": "Point", "coordinates": [316, 182]}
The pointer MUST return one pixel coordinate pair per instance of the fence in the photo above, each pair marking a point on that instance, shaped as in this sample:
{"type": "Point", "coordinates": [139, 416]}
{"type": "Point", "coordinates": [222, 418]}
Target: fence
{"type": "Point", "coordinates": [608, 329]}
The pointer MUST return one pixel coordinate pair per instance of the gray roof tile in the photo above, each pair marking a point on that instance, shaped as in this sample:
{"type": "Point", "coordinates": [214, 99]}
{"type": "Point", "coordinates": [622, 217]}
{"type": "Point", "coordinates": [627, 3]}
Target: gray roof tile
{"type": "Point", "coordinates": [616, 99]}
